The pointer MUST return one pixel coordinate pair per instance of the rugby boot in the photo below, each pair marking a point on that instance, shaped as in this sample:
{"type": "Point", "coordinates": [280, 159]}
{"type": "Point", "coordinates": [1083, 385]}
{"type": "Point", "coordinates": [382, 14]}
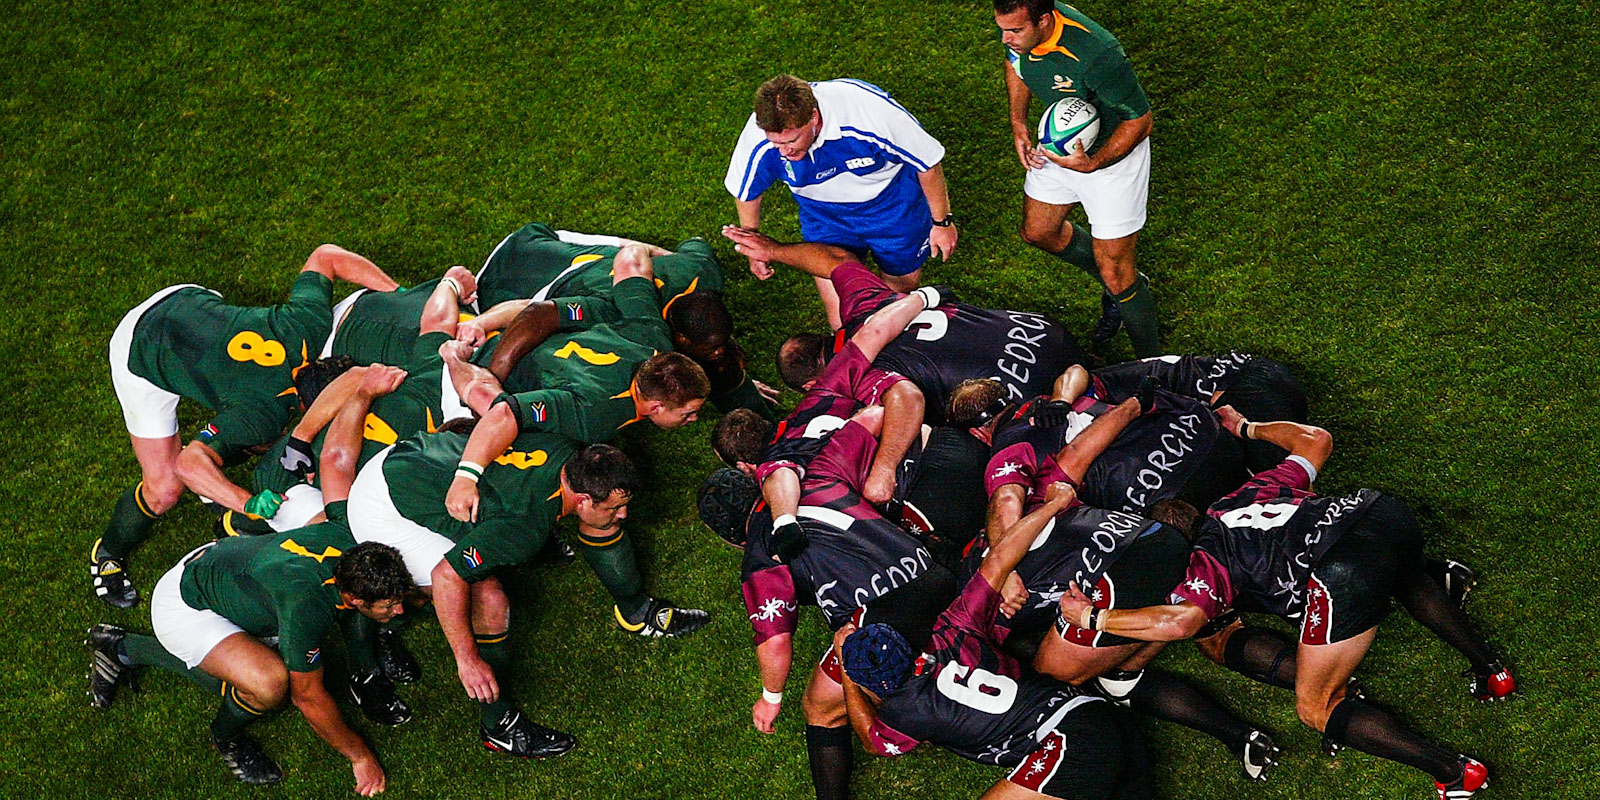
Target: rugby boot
{"type": "Point", "coordinates": [374, 694]}
{"type": "Point", "coordinates": [1456, 578]}
{"type": "Point", "coordinates": [1474, 776]}
{"type": "Point", "coordinates": [556, 553]}
{"type": "Point", "coordinates": [1260, 754]}
{"type": "Point", "coordinates": [111, 582]}
{"type": "Point", "coordinates": [1110, 322]}
{"type": "Point", "coordinates": [247, 761]}
{"type": "Point", "coordinates": [514, 735]}
{"type": "Point", "coordinates": [1493, 682]}
{"type": "Point", "coordinates": [661, 619]}
{"type": "Point", "coordinates": [394, 659]}
{"type": "Point", "coordinates": [107, 673]}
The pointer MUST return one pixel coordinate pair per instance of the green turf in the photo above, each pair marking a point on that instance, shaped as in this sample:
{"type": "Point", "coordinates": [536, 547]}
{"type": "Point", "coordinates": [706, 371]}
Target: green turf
{"type": "Point", "coordinates": [1396, 198]}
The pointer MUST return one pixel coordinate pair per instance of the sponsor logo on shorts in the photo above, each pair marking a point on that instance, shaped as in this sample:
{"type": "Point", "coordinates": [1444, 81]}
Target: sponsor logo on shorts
{"type": "Point", "coordinates": [313, 655]}
{"type": "Point", "coordinates": [473, 558]}
{"type": "Point", "coordinates": [575, 312]}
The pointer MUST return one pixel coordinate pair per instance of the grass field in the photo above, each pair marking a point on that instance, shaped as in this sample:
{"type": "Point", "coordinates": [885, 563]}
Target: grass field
{"type": "Point", "coordinates": [1397, 198]}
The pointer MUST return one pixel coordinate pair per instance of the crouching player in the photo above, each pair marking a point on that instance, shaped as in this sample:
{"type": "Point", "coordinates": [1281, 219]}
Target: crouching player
{"type": "Point", "coordinates": [966, 694]}
{"type": "Point", "coordinates": [1330, 564]}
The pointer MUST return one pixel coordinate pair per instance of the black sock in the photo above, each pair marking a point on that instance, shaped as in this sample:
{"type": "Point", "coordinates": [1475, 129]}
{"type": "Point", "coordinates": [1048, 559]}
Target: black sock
{"type": "Point", "coordinates": [495, 650]}
{"type": "Point", "coordinates": [360, 643]}
{"type": "Point", "coordinates": [1370, 729]}
{"type": "Point", "coordinates": [614, 564]}
{"type": "Point", "coordinates": [1427, 602]}
{"type": "Point", "coordinates": [1079, 252]}
{"type": "Point", "coordinates": [1261, 654]}
{"type": "Point", "coordinates": [832, 758]}
{"type": "Point", "coordinates": [1138, 305]}
{"type": "Point", "coordinates": [234, 715]}
{"type": "Point", "coordinates": [1164, 696]}
{"type": "Point", "coordinates": [139, 650]}
{"type": "Point", "coordinates": [131, 519]}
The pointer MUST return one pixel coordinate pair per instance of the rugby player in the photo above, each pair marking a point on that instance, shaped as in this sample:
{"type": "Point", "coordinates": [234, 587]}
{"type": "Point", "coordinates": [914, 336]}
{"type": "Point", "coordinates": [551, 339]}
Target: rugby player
{"type": "Point", "coordinates": [1331, 564]}
{"type": "Point", "coordinates": [239, 362]}
{"type": "Point", "coordinates": [941, 348]}
{"type": "Point", "coordinates": [212, 611]}
{"type": "Point", "coordinates": [543, 264]}
{"type": "Point", "coordinates": [966, 694]}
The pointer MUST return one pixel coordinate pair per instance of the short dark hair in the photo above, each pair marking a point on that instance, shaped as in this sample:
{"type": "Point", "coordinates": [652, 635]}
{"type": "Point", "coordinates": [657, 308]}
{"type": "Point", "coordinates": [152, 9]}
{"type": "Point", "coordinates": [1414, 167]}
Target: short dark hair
{"type": "Point", "coordinates": [311, 379]}
{"type": "Point", "coordinates": [784, 102]}
{"type": "Point", "coordinates": [1176, 513]}
{"type": "Point", "coordinates": [971, 398]}
{"type": "Point", "coordinates": [672, 378]}
{"type": "Point", "coordinates": [801, 358]}
{"type": "Point", "coordinates": [373, 572]}
{"type": "Point", "coordinates": [599, 470]}
{"type": "Point", "coordinates": [700, 316]}
{"type": "Point", "coordinates": [1035, 8]}
{"type": "Point", "coordinates": [740, 435]}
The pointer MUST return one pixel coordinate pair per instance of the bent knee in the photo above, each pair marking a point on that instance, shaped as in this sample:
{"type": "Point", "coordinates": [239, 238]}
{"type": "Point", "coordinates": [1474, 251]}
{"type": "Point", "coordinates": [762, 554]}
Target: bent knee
{"type": "Point", "coordinates": [1313, 712]}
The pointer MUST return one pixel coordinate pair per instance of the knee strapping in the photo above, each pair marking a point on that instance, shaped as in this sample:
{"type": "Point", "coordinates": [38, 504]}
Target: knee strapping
{"type": "Point", "coordinates": [1118, 685]}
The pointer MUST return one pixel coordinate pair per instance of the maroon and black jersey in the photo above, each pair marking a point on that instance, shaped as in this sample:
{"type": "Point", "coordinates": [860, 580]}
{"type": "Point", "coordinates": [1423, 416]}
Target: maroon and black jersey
{"type": "Point", "coordinates": [970, 697]}
{"type": "Point", "coordinates": [1177, 450]}
{"type": "Point", "coordinates": [946, 345]}
{"type": "Point", "coordinates": [1273, 530]}
{"type": "Point", "coordinates": [939, 492]}
{"type": "Point", "coordinates": [848, 384]}
{"type": "Point", "coordinates": [854, 555]}
{"type": "Point", "coordinates": [1195, 377]}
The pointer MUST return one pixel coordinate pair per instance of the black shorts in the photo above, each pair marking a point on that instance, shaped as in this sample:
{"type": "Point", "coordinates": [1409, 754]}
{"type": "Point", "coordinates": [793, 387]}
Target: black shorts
{"type": "Point", "coordinates": [940, 495]}
{"type": "Point", "coordinates": [1142, 576]}
{"type": "Point", "coordinates": [1350, 587]}
{"type": "Point", "coordinates": [1265, 391]}
{"type": "Point", "coordinates": [1095, 753]}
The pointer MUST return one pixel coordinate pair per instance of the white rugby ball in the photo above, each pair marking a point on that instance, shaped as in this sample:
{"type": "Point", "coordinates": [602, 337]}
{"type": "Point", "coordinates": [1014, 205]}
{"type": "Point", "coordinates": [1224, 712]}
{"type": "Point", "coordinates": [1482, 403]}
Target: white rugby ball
{"type": "Point", "coordinates": [1068, 122]}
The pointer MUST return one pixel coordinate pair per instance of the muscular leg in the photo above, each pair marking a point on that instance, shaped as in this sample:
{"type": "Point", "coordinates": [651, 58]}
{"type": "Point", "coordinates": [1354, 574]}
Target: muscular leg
{"type": "Point", "coordinates": [1045, 226]}
{"type": "Point", "coordinates": [1131, 291]}
{"type": "Point", "coordinates": [254, 682]}
{"type": "Point", "coordinates": [828, 737]}
{"type": "Point", "coordinates": [1260, 654]}
{"type": "Point", "coordinates": [903, 283]}
{"type": "Point", "coordinates": [159, 490]}
{"type": "Point", "coordinates": [491, 625]}
{"type": "Point", "coordinates": [1320, 700]}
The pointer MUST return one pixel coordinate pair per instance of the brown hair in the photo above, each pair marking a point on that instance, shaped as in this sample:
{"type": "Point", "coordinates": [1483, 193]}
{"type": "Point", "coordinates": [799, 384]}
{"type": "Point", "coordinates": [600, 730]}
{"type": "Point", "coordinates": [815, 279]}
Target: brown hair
{"type": "Point", "coordinates": [784, 102]}
{"type": "Point", "coordinates": [672, 378]}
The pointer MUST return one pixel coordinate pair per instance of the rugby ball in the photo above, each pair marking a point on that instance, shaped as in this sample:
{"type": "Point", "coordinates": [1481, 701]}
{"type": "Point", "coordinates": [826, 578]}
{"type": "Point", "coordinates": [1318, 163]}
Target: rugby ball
{"type": "Point", "coordinates": [1066, 123]}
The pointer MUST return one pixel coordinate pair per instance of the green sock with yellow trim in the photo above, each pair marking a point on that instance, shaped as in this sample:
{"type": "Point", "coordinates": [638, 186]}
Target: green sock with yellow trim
{"type": "Point", "coordinates": [234, 716]}
{"type": "Point", "coordinates": [139, 650]}
{"type": "Point", "coordinates": [130, 521]}
{"type": "Point", "coordinates": [1138, 306]}
{"type": "Point", "coordinates": [495, 650]}
{"type": "Point", "coordinates": [614, 564]}
{"type": "Point", "coordinates": [1079, 252]}
{"type": "Point", "coordinates": [236, 524]}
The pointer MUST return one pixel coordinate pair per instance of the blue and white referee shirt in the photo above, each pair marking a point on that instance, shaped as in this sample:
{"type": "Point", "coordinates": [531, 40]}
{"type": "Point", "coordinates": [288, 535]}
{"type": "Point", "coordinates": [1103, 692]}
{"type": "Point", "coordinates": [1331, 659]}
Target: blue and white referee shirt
{"type": "Point", "coordinates": [856, 165]}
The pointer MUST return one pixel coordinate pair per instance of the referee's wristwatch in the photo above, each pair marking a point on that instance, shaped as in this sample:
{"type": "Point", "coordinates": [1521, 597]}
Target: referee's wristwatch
{"type": "Point", "coordinates": [949, 219]}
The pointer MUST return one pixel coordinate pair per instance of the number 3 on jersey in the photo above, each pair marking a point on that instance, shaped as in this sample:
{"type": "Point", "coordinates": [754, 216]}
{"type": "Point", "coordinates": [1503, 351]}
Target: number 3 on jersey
{"type": "Point", "coordinates": [250, 347]}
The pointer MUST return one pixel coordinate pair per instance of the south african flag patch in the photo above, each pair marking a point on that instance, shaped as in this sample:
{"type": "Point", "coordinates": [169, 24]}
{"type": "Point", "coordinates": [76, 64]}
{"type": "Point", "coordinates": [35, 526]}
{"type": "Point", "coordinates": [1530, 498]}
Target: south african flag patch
{"type": "Point", "coordinates": [537, 411]}
{"type": "Point", "coordinates": [313, 655]}
{"type": "Point", "coordinates": [472, 557]}
{"type": "Point", "coordinates": [575, 312]}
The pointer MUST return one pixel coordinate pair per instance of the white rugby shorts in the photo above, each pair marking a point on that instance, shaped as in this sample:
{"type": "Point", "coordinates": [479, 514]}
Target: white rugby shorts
{"type": "Point", "coordinates": [188, 633]}
{"type": "Point", "coordinates": [373, 518]}
{"type": "Point", "coordinates": [1114, 198]}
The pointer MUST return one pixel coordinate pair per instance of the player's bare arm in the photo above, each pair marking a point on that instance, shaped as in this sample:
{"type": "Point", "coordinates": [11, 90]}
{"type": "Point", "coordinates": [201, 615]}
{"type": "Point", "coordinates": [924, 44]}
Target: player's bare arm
{"type": "Point", "coordinates": [1127, 136]}
{"type": "Point", "coordinates": [442, 312]}
{"type": "Point", "coordinates": [200, 469]}
{"type": "Point", "coordinates": [774, 659]}
{"type": "Point", "coordinates": [311, 697]}
{"type": "Point", "coordinates": [816, 260]}
{"type": "Point", "coordinates": [1168, 623]}
{"type": "Point", "coordinates": [781, 490]}
{"type": "Point", "coordinates": [337, 263]}
{"type": "Point", "coordinates": [452, 601]}
{"type": "Point", "coordinates": [1007, 551]}
{"type": "Point", "coordinates": [342, 447]}
{"type": "Point", "coordinates": [750, 219]}
{"type": "Point", "coordinates": [1017, 99]}
{"type": "Point", "coordinates": [1075, 458]}
{"type": "Point", "coordinates": [1005, 508]}
{"type": "Point", "coordinates": [903, 410]}
{"type": "Point", "coordinates": [1309, 442]}
{"type": "Point", "coordinates": [1071, 384]}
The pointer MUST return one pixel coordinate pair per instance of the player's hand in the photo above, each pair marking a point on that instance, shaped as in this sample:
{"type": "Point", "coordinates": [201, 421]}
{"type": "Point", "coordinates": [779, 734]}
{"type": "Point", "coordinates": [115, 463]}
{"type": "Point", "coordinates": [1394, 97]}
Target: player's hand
{"type": "Point", "coordinates": [768, 393]}
{"type": "Point", "coordinates": [942, 238]}
{"type": "Point", "coordinates": [788, 542]}
{"type": "Point", "coordinates": [1013, 595]}
{"type": "Point", "coordinates": [1060, 494]}
{"type": "Point", "coordinates": [478, 678]}
{"type": "Point", "coordinates": [1073, 603]}
{"type": "Point", "coordinates": [462, 500]}
{"type": "Point", "coordinates": [471, 332]}
{"type": "Point", "coordinates": [754, 245]}
{"type": "Point", "coordinates": [1050, 414]}
{"type": "Point", "coordinates": [455, 351]}
{"type": "Point", "coordinates": [764, 714]}
{"type": "Point", "coordinates": [379, 380]}
{"type": "Point", "coordinates": [369, 776]}
{"type": "Point", "coordinates": [840, 635]}
{"type": "Point", "coordinates": [263, 504]}
{"type": "Point", "coordinates": [1078, 160]}
{"type": "Point", "coordinates": [879, 486]}
{"type": "Point", "coordinates": [1232, 420]}
{"type": "Point", "coordinates": [468, 281]}
{"type": "Point", "coordinates": [632, 261]}
{"type": "Point", "coordinates": [1030, 156]}
{"type": "Point", "coordinates": [298, 458]}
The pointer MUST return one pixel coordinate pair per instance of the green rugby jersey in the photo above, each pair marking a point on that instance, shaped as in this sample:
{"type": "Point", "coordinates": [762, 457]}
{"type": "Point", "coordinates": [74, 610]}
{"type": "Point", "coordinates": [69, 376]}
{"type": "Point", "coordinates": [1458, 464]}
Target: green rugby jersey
{"type": "Point", "coordinates": [534, 260]}
{"type": "Point", "coordinates": [1083, 59]}
{"type": "Point", "coordinates": [237, 361]}
{"type": "Point", "coordinates": [587, 376]}
{"type": "Point", "coordinates": [382, 327]}
{"type": "Point", "coordinates": [279, 585]}
{"type": "Point", "coordinates": [519, 497]}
